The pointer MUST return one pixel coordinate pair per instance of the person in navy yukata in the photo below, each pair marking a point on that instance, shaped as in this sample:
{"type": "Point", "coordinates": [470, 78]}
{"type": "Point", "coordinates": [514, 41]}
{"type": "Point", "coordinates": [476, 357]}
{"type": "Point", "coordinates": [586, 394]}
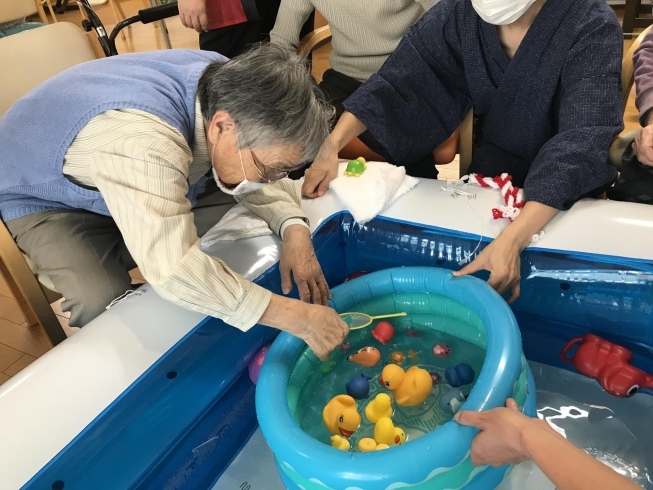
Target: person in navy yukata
{"type": "Point", "coordinates": [543, 79]}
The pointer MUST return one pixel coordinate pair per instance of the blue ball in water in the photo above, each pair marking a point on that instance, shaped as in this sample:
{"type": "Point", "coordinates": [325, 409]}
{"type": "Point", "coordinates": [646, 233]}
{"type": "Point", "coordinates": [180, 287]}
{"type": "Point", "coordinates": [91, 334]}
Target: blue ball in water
{"type": "Point", "coordinates": [462, 374]}
{"type": "Point", "coordinates": [359, 388]}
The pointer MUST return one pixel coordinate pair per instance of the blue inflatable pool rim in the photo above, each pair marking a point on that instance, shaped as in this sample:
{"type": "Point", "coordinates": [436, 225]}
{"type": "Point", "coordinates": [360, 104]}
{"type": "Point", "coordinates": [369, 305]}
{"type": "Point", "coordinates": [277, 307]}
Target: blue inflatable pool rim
{"type": "Point", "coordinates": [448, 445]}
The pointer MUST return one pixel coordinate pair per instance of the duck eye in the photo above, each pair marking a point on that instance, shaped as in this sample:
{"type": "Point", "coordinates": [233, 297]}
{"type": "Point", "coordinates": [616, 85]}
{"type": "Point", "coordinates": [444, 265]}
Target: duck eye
{"type": "Point", "coordinates": [387, 383]}
{"type": "Point", "coordinates": [632, 390]}
{"type": "Point", "coordinates": [341, 419]}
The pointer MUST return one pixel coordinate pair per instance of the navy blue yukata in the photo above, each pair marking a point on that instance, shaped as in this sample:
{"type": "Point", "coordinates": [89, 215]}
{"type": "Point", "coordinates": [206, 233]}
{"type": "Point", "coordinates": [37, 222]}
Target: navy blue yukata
{"type": "Point", "coordinates": [547, 117]}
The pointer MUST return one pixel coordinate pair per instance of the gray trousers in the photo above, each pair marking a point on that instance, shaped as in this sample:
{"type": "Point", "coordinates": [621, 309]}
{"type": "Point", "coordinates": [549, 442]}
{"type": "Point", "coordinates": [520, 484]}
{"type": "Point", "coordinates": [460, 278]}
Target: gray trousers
{"type": "Point", "coordinates": [85, 255]}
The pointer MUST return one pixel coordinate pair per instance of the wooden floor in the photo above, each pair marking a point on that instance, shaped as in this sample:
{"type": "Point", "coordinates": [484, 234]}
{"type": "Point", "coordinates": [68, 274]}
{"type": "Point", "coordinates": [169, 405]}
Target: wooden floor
{"type": "Point", "coordinates": [19, 344]}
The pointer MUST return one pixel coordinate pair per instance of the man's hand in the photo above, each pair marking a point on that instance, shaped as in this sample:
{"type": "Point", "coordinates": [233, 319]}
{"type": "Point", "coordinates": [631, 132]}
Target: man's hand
{"type": "Point", "coordinates": [298, 258]}
{"type": "Point", "coordinates": [643, 146]}
{"type": "Point", "coordinates": [500, 440]}
{"type": "Point", "coordinates": [193, 14]}
{"type": "Point", "coordinates": [323, 170]}
{"type": "Point", "coordinates": [503, 262]}
{"type": "Point", "coordinates": [319, 326]}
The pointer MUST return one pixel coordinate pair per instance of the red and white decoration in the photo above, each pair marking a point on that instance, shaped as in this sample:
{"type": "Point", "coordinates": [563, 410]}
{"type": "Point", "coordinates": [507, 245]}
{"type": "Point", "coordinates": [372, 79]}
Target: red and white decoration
{"type": "Point", "coordinates": [512, 196]}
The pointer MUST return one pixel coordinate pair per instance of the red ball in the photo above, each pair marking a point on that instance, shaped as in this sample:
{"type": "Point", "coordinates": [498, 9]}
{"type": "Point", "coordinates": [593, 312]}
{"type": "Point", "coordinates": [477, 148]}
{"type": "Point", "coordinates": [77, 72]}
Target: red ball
{"type": "Point", "coordinates": [383, 332]}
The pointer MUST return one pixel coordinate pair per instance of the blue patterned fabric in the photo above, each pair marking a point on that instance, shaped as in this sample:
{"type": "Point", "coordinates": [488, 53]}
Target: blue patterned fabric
{"type": "Point", "coordinates": [547, 117]}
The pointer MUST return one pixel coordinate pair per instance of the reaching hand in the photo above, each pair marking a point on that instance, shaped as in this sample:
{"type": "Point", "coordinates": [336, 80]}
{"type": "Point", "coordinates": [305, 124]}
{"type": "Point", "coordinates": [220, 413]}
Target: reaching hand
{"type": "Point", "coordinates": [298, 258]}
{"type": "Point", "coordinates": [500, 440]}
{"type": "Point", "coordinates": [324, 330]}
{"type": "Point", "coordinates": [192, 14]}
{"type": "Point", "coordinates": [643, 145]}
{"type": "Point", "coordinates": [501, 259]}
{"type": "Point", "coordinates": [320, 174]}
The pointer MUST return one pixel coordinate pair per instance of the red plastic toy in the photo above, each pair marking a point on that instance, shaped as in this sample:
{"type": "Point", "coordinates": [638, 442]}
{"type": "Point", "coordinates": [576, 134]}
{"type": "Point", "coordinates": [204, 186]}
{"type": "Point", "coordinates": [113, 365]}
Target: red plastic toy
{"type": "Point", "coordinates": [608, 363]}
{"type": "Point", "coordinates": [355, 275]}
{"type": "Point", "coordinates": [383, 332]}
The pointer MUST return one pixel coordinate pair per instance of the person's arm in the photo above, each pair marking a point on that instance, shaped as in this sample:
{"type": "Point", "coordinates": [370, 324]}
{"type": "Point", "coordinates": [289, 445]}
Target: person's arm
{"type": "Point", "coordinates": [142, 177]}
{"type": "Point", "coordinates": [502, 256]}
{"type": "Point", "coordinates": [509, 437]}
{"type": "Point", "coordinates": [279, 205]}
{"type": "Point", "coordinates": [574, 162]}
{"type": "Point", "coordinates": [290, 19]}
{"type": "Point", "coordinates": [415, 102]}
{"type": "Point", "coordinates": [643, 59]}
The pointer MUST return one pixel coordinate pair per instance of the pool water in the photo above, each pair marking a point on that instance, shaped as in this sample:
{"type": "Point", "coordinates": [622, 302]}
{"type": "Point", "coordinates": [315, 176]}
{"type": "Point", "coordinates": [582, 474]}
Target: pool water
{"type": "Point", "coordinates": [415, 342]}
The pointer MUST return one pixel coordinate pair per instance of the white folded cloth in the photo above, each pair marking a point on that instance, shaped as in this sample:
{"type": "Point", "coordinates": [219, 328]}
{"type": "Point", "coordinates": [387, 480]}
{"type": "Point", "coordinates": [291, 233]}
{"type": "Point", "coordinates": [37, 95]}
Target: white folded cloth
{"type": "Point", "coordinates": [237, 223]}
{"type": "Point", "coordinates": [368, 195]}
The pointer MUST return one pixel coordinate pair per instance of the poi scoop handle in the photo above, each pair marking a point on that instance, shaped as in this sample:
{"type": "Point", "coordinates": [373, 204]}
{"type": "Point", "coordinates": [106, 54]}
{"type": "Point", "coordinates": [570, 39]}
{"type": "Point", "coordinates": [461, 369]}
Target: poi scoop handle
{"type": "Point", "coordinates": [371, 318]}
{"type": "Point", "coordinates": [394, 315]}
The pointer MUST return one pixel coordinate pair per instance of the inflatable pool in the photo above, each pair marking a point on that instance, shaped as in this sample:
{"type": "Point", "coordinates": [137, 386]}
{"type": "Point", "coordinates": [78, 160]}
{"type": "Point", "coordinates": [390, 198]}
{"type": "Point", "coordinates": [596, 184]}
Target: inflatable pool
{"type": "Point", "coordinates": [151, 396]}
{"type": "Point", "coordinates": [465, 308]}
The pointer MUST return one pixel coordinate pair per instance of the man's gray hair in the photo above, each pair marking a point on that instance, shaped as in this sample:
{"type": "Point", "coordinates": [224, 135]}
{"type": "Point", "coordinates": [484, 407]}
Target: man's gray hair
{"type": "Point", "coordinates": [270, 94]}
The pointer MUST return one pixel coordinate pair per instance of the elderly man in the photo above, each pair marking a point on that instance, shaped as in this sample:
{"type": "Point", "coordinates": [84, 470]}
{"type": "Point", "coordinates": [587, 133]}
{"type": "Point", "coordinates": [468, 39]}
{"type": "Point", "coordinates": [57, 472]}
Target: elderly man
{"type": "Point", "coordinates": [105, 166]}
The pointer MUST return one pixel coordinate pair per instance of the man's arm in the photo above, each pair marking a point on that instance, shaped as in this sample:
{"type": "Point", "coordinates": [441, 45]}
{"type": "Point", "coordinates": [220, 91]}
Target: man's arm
{"type": "Point", "coordinates": [290, 19]}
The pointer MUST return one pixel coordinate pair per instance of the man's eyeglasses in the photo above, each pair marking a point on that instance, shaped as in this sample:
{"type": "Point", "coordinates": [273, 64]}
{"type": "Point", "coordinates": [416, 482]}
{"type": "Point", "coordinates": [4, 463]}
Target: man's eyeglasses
{"type": "Point", "coordinates": [270, 173]}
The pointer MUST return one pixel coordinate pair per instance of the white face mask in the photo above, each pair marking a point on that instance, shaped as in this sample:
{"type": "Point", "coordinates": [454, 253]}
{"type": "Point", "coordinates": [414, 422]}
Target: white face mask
{"type": "Point", "coordinates": [501, 12]}
{"type": "Point", "coordinates": [245, 186]}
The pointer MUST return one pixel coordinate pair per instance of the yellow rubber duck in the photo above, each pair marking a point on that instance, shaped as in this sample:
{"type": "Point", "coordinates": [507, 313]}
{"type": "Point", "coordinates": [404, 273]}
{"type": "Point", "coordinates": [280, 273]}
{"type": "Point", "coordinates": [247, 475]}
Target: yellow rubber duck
{"type": "Point", "coordinates": [340, 442]}
{"type": "Point", "coordinates": [386, 433]}
{"type": "Point", "coordinates": [381, 406]}
{"type": "Point", "coordinates": [340, 416]}
{"type": "Point", "coordinates": [408, 387]}
{"type": "Point", "coordinates": [367, 445]}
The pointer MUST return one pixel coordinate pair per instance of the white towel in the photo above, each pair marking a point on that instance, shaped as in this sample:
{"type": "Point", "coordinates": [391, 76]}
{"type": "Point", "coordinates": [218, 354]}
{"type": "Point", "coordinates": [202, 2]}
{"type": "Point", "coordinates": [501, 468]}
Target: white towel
{"type": "Point", "coordinates": [239, 222]}
{"type": "Point", "coordinates": [374, 191]}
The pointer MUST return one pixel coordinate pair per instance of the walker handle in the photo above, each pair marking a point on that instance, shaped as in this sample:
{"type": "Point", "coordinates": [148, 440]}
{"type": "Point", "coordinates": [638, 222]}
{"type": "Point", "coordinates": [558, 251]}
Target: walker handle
{"type": "Point", "coordinates": [160, 12]}
{"type": "Point", "coordinates": [566, 348]}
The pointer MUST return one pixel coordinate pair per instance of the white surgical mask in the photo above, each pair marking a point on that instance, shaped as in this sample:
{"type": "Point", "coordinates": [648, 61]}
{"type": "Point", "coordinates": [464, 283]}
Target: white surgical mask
{"type": "Point", "coordinates": [501, 12]}
{"type": "Point", "coordinates": [245, 186]}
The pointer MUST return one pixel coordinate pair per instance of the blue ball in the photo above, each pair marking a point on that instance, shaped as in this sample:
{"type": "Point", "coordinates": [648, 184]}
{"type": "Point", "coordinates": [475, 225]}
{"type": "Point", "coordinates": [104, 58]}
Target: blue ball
{"type": "Point", "coordinates": [462, 374]}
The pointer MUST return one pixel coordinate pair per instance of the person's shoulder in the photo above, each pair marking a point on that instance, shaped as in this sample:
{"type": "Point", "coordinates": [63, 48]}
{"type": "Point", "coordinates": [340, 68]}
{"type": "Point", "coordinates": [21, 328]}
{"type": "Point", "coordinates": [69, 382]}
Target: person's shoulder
{"type": "Point", "coordinates": [595, 13]}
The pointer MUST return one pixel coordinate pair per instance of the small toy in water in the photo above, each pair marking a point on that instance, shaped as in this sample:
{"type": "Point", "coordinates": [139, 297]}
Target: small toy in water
{"type": "Point", "coordinates": [345, 346]}
{"type": "Point", "coordinates": [386, 433]}
{"type": "Point", "coordinates": [328, 366]}
{"type": "Point", "coordinates": [255, 364]}
{"type": "Point", "coordinates": [452, 400]}
{"type": "Point", "coordinates": [366, 357]}
{"type": "Point", "coordinates": [413, 355]}
{"type": "Point", "coordinates": [409, 387]}
{"type": "Point", "coordinates": [435, 377]}
{"type": "Point", "coordinates": [355, 168]}
{"type": "Point", "coordinates": [359, 387]}
{"type": "Point", "coordinates": [441, 351]}
{"type": "Point", "coordinates": [383, 332]}
{"type": "Point", "coordinates": [367, 445]}
{"type": "Point", "coordinates": [413, 333]}
{"type": "Point", "coordinates": [380, 407]}
{"type": "Point", "coordinates": [340, 416]}
{"type": "Point", "coordinates": [355, 275]}
{"type": "Point", "coordinates": [340, 442]}
{"type": "Point", "coordinates": [608, 363]}
{"type": "Point", "coordinates": [462, 374]}
{"type": "Point", "coordinates": [397, 356]}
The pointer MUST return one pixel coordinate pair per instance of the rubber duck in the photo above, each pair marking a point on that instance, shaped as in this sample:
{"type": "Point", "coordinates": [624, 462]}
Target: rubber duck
{"type": "Point", "coordinates": [397, 356]}
{"type": "Point", "coordinates": [441, 351]}
{"type": "Point", "coordinates": [408, 387]}
{"type": "Point", "coordinates": [340, 416]}
{"type": "Point", "coordinates": [383, 332]}
{"type": "Point", "coordinates": [340, 442]}
{"type": "Point", "coordinates": [381, 406]}
{"type": "Point", "coordinates": [355, 168]}
{"type": "Point", "coordinates": [367, 444]}
{"type": "Point", "coordinates": [359, 387]}
{"type": "Point", "coordinates": [462, 374]}
{"type": "Point", "coordinates": [366, 357]}
{"type": "Point", "coordinates": [386, 433]}
{"type": "Point", "coordinates": [452, 400]}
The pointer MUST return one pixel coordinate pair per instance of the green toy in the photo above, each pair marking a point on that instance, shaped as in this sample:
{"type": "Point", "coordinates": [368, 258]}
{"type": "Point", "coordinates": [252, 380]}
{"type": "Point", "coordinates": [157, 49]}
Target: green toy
{"type": "Point", "coordinates": [355, 168]}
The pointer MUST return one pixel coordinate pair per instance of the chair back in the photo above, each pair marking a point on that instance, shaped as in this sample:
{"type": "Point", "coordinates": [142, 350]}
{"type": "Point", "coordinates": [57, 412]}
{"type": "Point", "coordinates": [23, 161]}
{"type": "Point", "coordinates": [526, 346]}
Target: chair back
{"type": "Point", "coordinates": [16, 9]}
{"type": "Point", "coordinates": [33, 56]}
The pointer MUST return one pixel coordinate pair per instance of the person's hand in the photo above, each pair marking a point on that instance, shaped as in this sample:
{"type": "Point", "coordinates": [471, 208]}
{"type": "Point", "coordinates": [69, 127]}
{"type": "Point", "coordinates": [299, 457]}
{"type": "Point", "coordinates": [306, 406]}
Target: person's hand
{"type": "Point", "coordinates": [323, 170]}
{"type": "Point", "coordinates": [501, 259]}
{"type": "Point", "coordinates": [643, 146]}
{"type": "Point", "coordinates": [500, 440]}
{"type": "Point", "coordinates": [324, 330]}
{"type": "Point", "coordinates": [192, 14]}
{"type": "Point", "coordinates": [298, 259]}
